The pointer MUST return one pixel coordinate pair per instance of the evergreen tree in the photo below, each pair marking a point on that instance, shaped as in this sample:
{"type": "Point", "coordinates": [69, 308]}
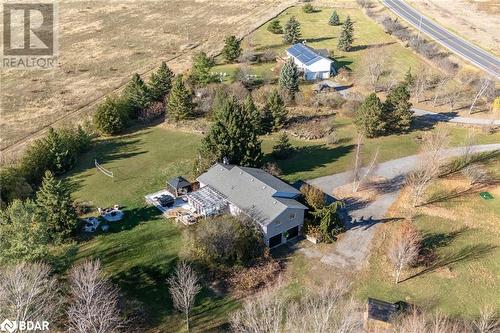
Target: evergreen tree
{"type": "Point", "coordinates": [266, 120]}
{"type": "Point", "coordinates": [232, 49]}
{"type": "Point", "coordinates": [282, 149]}
{"type": "Point", "coordinates": [409, 79]}
{"type": "Point", "coordinates": [160, 83]}
{"type": "Point", "coordinates": [112, 115]}
{"type": "Point", "coordinates": [201, 71]}
{"type": "Point", "coordinates": [334, 19]}
{"type": "Point", "coordinates": [397, 109]}
{"type": "Point", "coordinates": [276, 107]}
{"type": "Point", "coordinates": [180, 103]}
{"type": "Point", "coordinates": [252, 114]}
{"type": "Point", "coordinates": [308, 8]}
{"type": "Point", "coordinates": [346, 35]}
{"type": "Point", "coordinates": [55, 207]}
{"type": "Point", "coordinates": [60, 158]}
{"type": "Point", "coordinates": [137, 93]}
{"type": "Point", "coordinates": [370, 117]}
{"type": "Point", "coordinates": [292, 32]}
{"type": "Point", "coordinates": [289, 78]}
{"type": "Point", "coordinates": [275, 27]}
{"type": "Point", "coordinates": [227, 137]}
{"type": "Point", "coordinates": [23, 236]}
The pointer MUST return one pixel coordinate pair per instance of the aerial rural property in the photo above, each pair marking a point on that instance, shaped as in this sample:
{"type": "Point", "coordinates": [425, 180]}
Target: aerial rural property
{"type": "Point", "coordinates": [250, 166]}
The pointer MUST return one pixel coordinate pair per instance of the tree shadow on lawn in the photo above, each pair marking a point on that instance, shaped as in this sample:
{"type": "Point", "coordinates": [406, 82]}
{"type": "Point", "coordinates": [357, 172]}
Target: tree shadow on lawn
{"type": "Point", "coordinates": [308, 158]}
{"type": "Point", "coordinates": [432, 261]}
{"type": "Point", "coordinates": [341, 62]}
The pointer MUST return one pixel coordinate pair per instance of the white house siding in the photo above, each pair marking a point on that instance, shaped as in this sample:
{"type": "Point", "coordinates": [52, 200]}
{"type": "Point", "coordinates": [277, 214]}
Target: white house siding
{"type": "Point", "coordinates": [285, 223]}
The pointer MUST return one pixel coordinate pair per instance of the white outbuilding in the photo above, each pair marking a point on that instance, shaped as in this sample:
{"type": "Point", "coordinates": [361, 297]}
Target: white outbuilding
{"type": "Point", "coordinates": [310, 62]}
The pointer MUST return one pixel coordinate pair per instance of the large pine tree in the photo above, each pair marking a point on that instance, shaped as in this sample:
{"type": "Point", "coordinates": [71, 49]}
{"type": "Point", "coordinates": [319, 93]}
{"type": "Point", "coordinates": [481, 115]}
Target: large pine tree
{"type": "Point", "coordinates": [334, 19]}
{"type": "Point", "coordinates": [180, 103]}
{"type": "Point", "coordinates": [160, 82]}
{"type": "Point", "coordinates": [292, 32]}
{"type": "Point", "coordinates": [397, 109]}
{"type": "Point", "coordinates": [230, 138]}
{"type": "Point", "coordinates": [370, 118]}
{"type": "Point", "coordinates": [55, 207]}
{"type": "Point", "coordinates": [346, 35]}
{"type": "Point", "coordinates": [252, 114]}
{"type": "Point", "coordinates": [201, 74]}
{"type": "Point", "coordinates": [289, 78]}
{"type": "Point", "coordinates": [277, 109]}
{"type": "Point", "coordinates": [137, 93]}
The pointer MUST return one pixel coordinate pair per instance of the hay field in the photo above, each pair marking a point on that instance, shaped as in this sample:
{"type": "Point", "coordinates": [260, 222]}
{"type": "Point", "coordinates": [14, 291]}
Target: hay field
{"type": "Point", "coordinates": [102, 43]}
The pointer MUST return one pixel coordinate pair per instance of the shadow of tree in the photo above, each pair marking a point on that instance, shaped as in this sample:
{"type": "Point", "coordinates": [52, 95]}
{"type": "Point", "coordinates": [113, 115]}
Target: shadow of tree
{"type": "Point", "coordinates": [308, 158]}
{"type": "Point", "coordinates": [459, 163]}
{"type": "Point", "coordinates": [465, 254]}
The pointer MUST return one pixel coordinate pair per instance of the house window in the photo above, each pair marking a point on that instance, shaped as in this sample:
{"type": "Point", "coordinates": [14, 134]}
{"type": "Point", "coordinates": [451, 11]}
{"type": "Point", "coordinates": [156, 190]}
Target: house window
{"type": "Point", "coordinates": [292, 216]}
{"type": "Point", "coordinates": [278, 222]}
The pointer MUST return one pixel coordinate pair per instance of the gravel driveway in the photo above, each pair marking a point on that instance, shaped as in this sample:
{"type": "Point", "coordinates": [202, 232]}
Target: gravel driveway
{"type": "Point", "coordinates": [353, 247]}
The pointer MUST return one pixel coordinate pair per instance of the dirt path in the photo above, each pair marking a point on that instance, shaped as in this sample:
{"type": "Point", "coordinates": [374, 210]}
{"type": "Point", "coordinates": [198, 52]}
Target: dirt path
{"type": "Point", "coordinates": [352, 249]}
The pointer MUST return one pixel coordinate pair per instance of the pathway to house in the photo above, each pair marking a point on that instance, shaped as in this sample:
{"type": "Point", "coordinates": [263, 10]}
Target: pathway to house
{"type": "Point", "coordinates": [353, 248]}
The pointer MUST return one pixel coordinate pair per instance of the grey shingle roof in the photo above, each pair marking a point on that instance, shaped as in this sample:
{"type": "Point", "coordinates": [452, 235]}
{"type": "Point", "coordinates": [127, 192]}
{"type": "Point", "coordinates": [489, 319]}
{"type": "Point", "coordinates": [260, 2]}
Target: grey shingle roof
{"type": "Point", "coordinates": [252, 189]}
{"type": "Point", "coordinates": [178, 182]}
{"type": "Point", "coordinates": [305, 54]}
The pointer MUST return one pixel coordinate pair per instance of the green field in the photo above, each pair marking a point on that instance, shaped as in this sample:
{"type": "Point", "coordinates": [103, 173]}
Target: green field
{"type": "Point", "coordinates": [319, 34]}
{"type": "Point", "coordinates": [463, 234]}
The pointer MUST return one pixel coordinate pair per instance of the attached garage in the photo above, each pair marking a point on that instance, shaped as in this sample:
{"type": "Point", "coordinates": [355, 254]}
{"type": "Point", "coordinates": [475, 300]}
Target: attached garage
{"type": "Point", "coordinates": [275, 240]}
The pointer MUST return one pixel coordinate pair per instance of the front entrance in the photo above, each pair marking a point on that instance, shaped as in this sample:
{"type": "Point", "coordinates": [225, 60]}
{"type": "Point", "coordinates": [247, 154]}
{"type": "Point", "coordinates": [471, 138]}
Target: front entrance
{"type": "Point", "coordinates": [292, 233]}
{"type": "Point", "coordinates": [275, 240]}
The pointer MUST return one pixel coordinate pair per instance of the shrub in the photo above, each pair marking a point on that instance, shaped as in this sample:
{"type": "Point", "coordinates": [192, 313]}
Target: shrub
{"type": "Point", "coordinates": [268, 56]}
{"type": "Point", "coordinates": [314, 197]}
{"type": "Point", "coordinates": [275, 27]}
{"type": "Point", "coordinates": [272, 168]}
{"type": "Point", "coordinates": [225, 241]}
{"type": "Point", "coordinates": [112, 116]}
{"type": "Point", "coordinates": [153, 111]}
{"type": "Point", "coordinates": [13, 186]}
{"type": "Point", "coordinates": [308, 8]}
{"type": "Point", "coordinates": [232, 49]}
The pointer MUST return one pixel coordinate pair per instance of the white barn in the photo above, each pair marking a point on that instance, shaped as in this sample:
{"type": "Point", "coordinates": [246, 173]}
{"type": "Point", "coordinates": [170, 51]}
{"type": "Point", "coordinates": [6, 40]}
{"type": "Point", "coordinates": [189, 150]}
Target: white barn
{"type": "Point", "coordinates": [310, 62]}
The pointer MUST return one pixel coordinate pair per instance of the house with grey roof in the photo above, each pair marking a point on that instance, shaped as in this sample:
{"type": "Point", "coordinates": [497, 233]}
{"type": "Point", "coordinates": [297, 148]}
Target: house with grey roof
{"type": "Point", "coordinates": [267, 199]}
{"type": "Point", "coordinates": [312, 63]}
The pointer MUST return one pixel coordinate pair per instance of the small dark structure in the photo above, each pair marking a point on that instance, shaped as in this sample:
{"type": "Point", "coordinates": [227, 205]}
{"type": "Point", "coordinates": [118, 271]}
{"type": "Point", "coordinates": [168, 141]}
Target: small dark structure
{"type": "Point", "coordinates": [378, 315]}
{"type": "Point", "coordinates": [178, 186]}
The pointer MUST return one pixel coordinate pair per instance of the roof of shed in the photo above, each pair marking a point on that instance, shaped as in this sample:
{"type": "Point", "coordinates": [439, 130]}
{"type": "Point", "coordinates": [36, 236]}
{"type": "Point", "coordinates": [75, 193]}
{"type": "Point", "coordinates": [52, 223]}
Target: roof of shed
{"type": "Point", "coordinates": [305, 54]}
{"type": "Point", "coordinates": [380, 310]}
{"type": "Point", "coordinates": [178, 182]}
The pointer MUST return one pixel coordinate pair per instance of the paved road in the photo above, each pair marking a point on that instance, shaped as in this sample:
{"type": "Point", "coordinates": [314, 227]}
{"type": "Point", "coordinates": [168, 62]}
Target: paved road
{"type": "Point", "coordinates": [456, 44]}
{"type": "Point", "coordinates": [352, 249]}
{"type": "Point", "coordinates": [434, 117]}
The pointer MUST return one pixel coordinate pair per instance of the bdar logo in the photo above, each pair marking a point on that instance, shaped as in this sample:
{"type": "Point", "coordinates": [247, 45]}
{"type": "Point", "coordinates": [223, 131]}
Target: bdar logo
{"type": "Point", "coordinates": [8, 326]}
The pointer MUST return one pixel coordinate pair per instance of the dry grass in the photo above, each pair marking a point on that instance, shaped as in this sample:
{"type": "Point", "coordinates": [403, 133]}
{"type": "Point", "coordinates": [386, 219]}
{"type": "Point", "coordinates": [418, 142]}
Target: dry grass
{"type": "Point", "coordinates": [475, 20]}
{"type": "Point", "coordinates": [102, 43]}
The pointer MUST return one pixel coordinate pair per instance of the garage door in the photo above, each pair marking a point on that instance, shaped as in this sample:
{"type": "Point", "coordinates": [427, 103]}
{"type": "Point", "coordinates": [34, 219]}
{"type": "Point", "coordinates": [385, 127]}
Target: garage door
{"type": "Point", "coordinates": [292, 233]}
{"type": "Point", "coordinates": [275, 240]}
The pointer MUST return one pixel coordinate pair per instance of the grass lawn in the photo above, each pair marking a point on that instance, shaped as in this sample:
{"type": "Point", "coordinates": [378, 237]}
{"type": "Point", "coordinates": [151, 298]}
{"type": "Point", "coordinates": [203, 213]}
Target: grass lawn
{"type": "Point", "coordinates": [463, 233]}
{"type": "Point", "coordinates": [319, 34]}
{"type": "Point", "coordinates": [139, 252]}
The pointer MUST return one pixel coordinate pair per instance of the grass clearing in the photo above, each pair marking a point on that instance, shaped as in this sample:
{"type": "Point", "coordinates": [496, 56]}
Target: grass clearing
{"type": "Point", "coordinates": [319, 34]}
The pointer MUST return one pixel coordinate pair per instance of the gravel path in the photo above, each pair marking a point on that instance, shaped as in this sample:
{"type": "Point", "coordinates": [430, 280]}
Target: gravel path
{"type": "Point", "coordinates": [352, 249]}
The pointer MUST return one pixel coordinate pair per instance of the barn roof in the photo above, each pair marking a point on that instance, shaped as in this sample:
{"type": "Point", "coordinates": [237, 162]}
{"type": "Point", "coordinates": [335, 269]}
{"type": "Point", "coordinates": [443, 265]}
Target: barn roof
{"type": "Point", "coordinates": [305, 54]}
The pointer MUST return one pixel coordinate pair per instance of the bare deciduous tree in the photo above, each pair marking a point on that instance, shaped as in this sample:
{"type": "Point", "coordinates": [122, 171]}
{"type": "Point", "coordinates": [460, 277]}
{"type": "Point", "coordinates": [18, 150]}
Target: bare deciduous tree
{"type": "Point", "coordinates": [487, 322]}
{"type": "Point", "coordinates": [184, 286]}
{"type": "Point", "coordinates": [485, 84]}
{"type": "Point", "coordinates": [93, 301]}
{"type": "Point", "coordinates": [28, 292]}
{"type": "Point", "coordinates": [422, 83]}
{"type": "Point", "coordinates": [442, 80]}
{"type": "Point", "coordinates": [263, 314]}
{"type": "Point", "coordinates": [418, 322]}
{"type": "Point", "coordinates": [452, 94]}
{"type": "Point", "coordinates": [404, 248]}
{"type": "Point", "coordinates": [331, 310]}
{"type": "Point", "coordinates": [362, 174]}
{"type": "Point", "coordinates": [430, 162]}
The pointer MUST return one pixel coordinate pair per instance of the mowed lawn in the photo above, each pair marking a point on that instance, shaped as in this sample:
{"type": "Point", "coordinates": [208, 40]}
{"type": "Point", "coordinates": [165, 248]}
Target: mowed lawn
{"type": "Point", "coordinates": [319, 34]}
{"type": "Point", "coordinates": [139, 252]}
{"type": "Point", "coordinates": [464, 235]}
